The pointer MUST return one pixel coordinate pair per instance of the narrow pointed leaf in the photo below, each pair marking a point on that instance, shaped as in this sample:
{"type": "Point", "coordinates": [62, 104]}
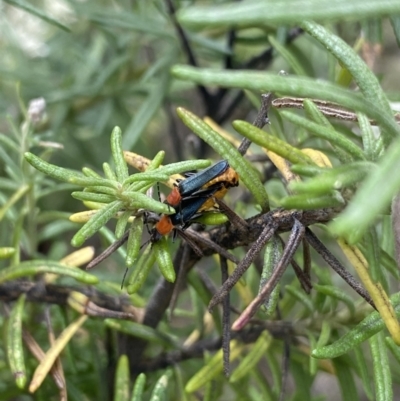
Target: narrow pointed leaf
{"type": "Point", "coordinates": [15, 351]}
{"type": "Point", "coordinates": [53, 353]}
{"type": "Point", "coordinates": [141, 270]}
{"type": "Point", "coordinates": [382, 372]}
{"type": "Point", "coordinates": [164, 260]}
{"type": "Point", "coordinates": [365, 206]}
{"type": "Point", "coordinates": [369, 326]}
{"type": "Point", "coordinates": [212, 369]}
{"type": "Point", "coordinates": [281, 13]}
{"type": "Point", "coordinates": [364, 77]}
{"type": "Point", "coordinates": [63, 174]}
{"type": "Point", "coordinates": [122, 379]}
{"type": "Point", "coordinates": [291, 86]}
{"type": "Point", "coordinates": [159, 392]}
{"type": "Point", "coordinates": [334, 137]}
{"type": "Point", "coordinates": [134, 240]}
{"type": "Point", "coordinates": [96, 222]}
{"type": "Point", "coordinates": [138, 388]}
{"type": "Point", "coordinates": [121, 168]}
{"type": "Point", "coordinates": [272, 143]}
{"type": "Point", "coordinates": [258, 351]}
{"type": "Point", "coordinates": [26, 6]}
{"type": "Point", "coordinates": [246, 172]}
{"type": "Point", "coordinates": [45, 266]}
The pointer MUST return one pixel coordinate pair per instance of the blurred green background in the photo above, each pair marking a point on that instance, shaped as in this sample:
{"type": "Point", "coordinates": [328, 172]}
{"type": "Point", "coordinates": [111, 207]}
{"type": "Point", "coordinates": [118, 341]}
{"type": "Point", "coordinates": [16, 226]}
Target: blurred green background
{"type": "Point", "coordinates": [100, 64]}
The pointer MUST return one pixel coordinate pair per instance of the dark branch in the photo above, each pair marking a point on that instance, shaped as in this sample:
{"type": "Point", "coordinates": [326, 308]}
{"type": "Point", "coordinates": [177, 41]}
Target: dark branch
{"type": "Point", "coordinates": [226, 321]}
{"type": "Point", "coordinates": [259, 122]}
{"type": "Point", "coordinates": [277, 329]}
{"type": "Point", "coordinates": [58, 294]}
{"type": "Point", "coordinates": [295, 238]}
{"type": "Point", "coordinates": [188, 50]}
{"type": "Point", "coordinates": [242, 267]}
{"type": "Point", "coordinates": [337, 266]}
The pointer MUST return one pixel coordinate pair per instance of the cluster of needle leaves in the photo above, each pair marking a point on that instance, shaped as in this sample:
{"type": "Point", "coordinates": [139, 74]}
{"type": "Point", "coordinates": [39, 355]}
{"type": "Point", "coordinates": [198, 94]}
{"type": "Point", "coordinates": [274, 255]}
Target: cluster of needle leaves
{"type": "Point", "coordinates": [306, 268]}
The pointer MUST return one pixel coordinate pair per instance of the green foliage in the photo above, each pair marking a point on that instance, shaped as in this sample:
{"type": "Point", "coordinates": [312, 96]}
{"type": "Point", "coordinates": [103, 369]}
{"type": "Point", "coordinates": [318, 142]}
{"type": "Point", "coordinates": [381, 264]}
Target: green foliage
{"type": "Point", "coordinates": [101, 65]}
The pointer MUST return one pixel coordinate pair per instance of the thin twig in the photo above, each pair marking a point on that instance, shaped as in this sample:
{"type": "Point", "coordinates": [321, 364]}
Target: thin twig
{"type": "Point", "coordinates": [180, 280]}
{"type": "Point", "coordinates": [108, 251]}
{"type": "Point", "coordinates": [294, 240]}
{"type": "Point", "coordinates": [234, 218]}
{"type": "Point", "coordinates": [305, 281]}
{"type": "Point", "coordinates": [186, 236]}
{"type": "Point", "coordinates": [39, 355]}
{"type": "Point", "coordinates": [306, 259]}
{"type": "Point", "coordinates": [226, 323]}
{"type": "Point", "coordinates": [285, 367]}
{"type": "Point", "coordinates": [259, 122]}
{"type": "Point", "coordinates": [188, 50]}
{"type": "Point", "coordinates": [261, 61]}
{"type": "Point", "coordinates": [337, 266]}
{"type": "Point", "coordinates": [211, 287]}
{"type": "Point", "coordinates": [58, 294]}
{"type": "Point", "coordinates": [228, 65]}
{"type": "Point", "coordinates": [242, 267]}
{"type": "Point", "coordinates": [327, 108]}
{"type": "Point", "coordinates": [196, 350]}
{"type": "Point", "coordinates": [197, 237]}
{"type": "Point", "coordinates": [57, 367]}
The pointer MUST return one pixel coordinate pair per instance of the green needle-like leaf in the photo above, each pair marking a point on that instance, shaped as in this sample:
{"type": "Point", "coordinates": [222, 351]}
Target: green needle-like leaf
{"type": "Point", "coordinates": [271, 142]}
{"type": "Point", "coordinates": [93, 197]}
{"type": "Point", "coordinates": [136, 200]}
{"type": "Point", "coordinates": [138, 388]}
{"type": "Point", "coordinates": [134, 241]}
{"type": "Point", "coordinates": [164, 260]}
{"type": "Point", "coordinates": [329, 134]}
{"type": "Point", "coordinates": [141, 270]}
{"type": "Point", "coordinates": [283, 12]}
{"type": "Point", "coordinates": [364, 77]}
{"type": "Point", "coordinates": [287, 56]}
{"type": "Point", "coordinates": [369, 326]}
{"type": "Point", "coordinates": [147, 110]}
{"type": "Point", "coordinates": [96, 222]}
{"type": "Point", "coordinates": [288, 85]}
{"type": "Point", "coordinates": [15, 351]}
{"type": "Point", "coordinates": [335, 178]}
{"type": "Point", "coordinates": [368, 137]}
{"type": "Point", "coordinates": [121, 168]}
{"type": "Point", "coordinates": [147, 176]}
{"type": "Point", "coordinates": [309, 202]}
{"type": "Point", "coordinates": [382, 372]}
{"type": "Point", "coordinates": [63, 174]}
{"type": "Point", "coordinates": [23, 5]}
{"type": "Point", "coordinates": [160, 389]}
{"type": "Point", "coordinates": [140, 331]}
{"type": "Point", "coordinates": [45, 266]}
{"type": "Point", "coordinates": [346, 380]}
{"type": "Point", "coordinates": [366, 205]}
{"type": "Point", "coordinates": [121, 224]}
{"type": "Point", "coordinates": [122, 379]}
{"type": "Point", "coordinates": [272, 255]}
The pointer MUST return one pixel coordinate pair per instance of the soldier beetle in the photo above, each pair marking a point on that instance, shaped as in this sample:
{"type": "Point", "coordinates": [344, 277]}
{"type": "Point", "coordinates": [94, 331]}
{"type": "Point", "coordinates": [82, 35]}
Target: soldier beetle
{"type": "Point", "coordinates": [189, 208]}
{"type": "Point", "coordinates": [198, 183]}
{"type": "Point", "coordinates": [174, 198]}
{"type": "Point", "coordinates": [195, 194]}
